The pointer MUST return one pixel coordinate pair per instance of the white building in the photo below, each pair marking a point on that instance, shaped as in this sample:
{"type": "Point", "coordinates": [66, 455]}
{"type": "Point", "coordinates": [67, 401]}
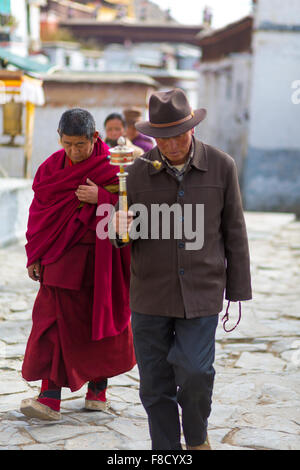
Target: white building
{"type": "Point", "coordinates": [247, 74]}
{"type": "Point", "coordinates": [22, 30]}
{"type": "Point", "coordinates": [272, 170]}
{"type": "Point", "coordinates": [224, 87]}
{"type": "Point", "coordinates": [169, 64]}
{"type": "Point", "coordinates": [70, 56]}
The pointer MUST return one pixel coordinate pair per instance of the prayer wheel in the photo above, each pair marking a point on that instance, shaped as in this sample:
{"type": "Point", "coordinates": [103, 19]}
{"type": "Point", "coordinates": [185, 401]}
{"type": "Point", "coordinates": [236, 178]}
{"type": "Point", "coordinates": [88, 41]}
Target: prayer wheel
{"type": "Point", "coordinates": [12, 119]}
{"type": "Point", "coordinates": [122, 156]}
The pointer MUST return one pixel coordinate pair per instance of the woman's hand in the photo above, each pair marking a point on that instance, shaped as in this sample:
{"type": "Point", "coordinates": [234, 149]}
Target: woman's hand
{"type": "Point", "coordinates": [88, 193]}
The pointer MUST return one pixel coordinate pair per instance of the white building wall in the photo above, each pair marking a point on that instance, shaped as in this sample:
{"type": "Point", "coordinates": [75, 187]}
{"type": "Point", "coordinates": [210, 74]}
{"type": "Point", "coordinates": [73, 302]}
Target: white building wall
{"type": "Point", "coordinates": [76, 61]}
{"type": "Point", "coordinates": [276, 65]}
{"type": "Point", "coordinates": [56, 55]}
{"type": "Point", "coordinates": [72, 58]}
{"type": "Point", "coordinates": [277, 12]}
{"type": "Point", "coordinates": [19, 37]}
{"type": "Point", "coordinates": [35, 25]}
{"type": "Point", "coordinates": [272, 171]}
{"type": "Point", "coordinates": [224, 89]}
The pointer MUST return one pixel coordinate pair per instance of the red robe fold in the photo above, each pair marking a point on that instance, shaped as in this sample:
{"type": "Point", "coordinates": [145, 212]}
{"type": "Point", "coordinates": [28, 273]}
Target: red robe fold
{"type": "Point", "coordinates": [59, 347]}
{"type": "Point", "coordinates": [56, 224]}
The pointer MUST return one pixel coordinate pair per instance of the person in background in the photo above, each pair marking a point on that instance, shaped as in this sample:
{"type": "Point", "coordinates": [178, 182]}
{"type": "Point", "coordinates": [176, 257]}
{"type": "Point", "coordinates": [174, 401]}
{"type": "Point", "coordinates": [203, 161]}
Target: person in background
{"type": "Point", "coordinates": [81, 328]}
{"type": "Point", "coordinates": [114, 126]}
{"type": "Point", "coordinates": [132, 116]}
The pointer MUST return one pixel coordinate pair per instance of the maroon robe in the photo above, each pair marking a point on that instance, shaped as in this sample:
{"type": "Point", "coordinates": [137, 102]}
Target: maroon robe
{"type": "Point", "coordinates": [73, 340]}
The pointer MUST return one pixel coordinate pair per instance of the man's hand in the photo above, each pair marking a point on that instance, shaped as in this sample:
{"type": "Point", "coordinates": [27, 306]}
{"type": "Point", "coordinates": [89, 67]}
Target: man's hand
{"type": "Point", "coordinates": [34, 271]}
{"type": "Point", "coordinates": [122, 222]}
{"type": "Point", "coordinates": [88, 193]}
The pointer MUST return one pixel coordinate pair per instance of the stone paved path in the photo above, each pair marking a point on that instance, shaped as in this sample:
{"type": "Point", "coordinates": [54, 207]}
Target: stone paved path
{"type": "Point", "coordinates": [257, 387]}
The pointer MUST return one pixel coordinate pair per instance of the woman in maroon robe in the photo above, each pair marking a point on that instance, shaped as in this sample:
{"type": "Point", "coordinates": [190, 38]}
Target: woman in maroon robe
{"type": "Point", "coordinates": [81, 318]}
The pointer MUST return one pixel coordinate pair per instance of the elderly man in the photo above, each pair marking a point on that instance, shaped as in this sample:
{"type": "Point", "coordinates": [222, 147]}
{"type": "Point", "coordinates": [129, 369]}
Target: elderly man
{"type": "Point", "coordinates": [81, 330]}
{"type": "Point", "coordinates": [178, 277]}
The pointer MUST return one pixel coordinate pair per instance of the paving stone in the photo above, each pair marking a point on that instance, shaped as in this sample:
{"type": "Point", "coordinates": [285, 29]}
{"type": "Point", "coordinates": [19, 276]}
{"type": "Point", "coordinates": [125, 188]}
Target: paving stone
{"type": "Point", "coordinates": [263, 419]}
{"type": "Point", "coordinates": [12, 383]}
{"type": "Point", "coordinates": [127, 394]}
{"type": "Point", "coordinates": [260, 361]}
{"type": "Point", "coordinates": [10, 402]}
{"type": "Point", "coordinates": [106, 440]}
{"type": "Point", "coordinates": [53, 432]}
{"type": "Point", "coordinates": [265, 439]}
{"type": "Point", "coordinates": [40, 447]}
{"type": "Point", "coordinates": [19, 316]}
{"type": "Point", "coordinates": [19, 306]}
{"type": "Point", "coordinates": [134, 430]}
{"type": "Point", "coordinates": [235, 392]}
{"type": "Point", "coordinates": [14, 333]}
{"type": "Point", "coordinates": [223, 414]}
{"type": "Point", "coordinates": [122, 380]}
{"type": "Point", "coordinates": [237, 348]}
{"type": "Point", "coordinates": [118, 406]}
{"type": "Point", "coordinates": [292, 358]}
{"type": "Point", "coordinates": [12, 436]}
{"type": "Point", "coordinates": [136, 445]}
{"type": "Point", "coordinates": [134, 373]}
{"type": "Point", "coordinates": [13, 351]}
{"type": "Point", "coordinates": [135, 412]}
{"type": "Point", "coordinates": [273, 393]}
{"type": "Point", "coordinates": [279, 346]}
{"type": "Point", "coordinates": [95, 418]}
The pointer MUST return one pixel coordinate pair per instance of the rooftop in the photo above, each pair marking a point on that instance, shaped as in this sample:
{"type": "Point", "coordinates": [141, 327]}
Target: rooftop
{"type": "Point", "coordinates": [219, 43]}
{"type": "Point", "coordinates": [119, 31]}
{"type": "Point", "coordinates": [100, 77]}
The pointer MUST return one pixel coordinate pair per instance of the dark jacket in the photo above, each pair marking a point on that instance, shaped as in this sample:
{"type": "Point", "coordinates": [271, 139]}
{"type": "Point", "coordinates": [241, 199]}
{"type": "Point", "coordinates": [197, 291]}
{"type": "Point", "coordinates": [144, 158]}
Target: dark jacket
{"type": "Point", "coordinates": [166, 278]}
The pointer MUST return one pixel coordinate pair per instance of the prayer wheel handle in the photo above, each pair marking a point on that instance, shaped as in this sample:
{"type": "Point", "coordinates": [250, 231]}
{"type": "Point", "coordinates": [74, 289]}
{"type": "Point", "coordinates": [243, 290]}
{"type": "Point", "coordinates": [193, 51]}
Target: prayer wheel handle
{"type": "Point", "coordinates": [122, 156]}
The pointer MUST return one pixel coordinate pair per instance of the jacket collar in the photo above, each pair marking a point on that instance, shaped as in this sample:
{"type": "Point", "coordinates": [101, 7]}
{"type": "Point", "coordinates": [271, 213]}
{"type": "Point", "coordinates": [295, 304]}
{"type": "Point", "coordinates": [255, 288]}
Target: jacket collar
{"type": "Point", "coordinates": [199, 160]}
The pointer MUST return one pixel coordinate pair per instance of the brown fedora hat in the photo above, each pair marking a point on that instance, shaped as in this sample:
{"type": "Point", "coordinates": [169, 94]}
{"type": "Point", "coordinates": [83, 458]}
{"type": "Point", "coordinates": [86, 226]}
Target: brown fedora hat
{"type": "Point", "coordinates": [170, 114]}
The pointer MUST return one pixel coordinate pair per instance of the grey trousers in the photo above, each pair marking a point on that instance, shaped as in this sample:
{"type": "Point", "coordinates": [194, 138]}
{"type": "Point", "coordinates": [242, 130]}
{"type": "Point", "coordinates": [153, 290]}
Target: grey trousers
{"type": "Point", "coordinates": [175, 361]}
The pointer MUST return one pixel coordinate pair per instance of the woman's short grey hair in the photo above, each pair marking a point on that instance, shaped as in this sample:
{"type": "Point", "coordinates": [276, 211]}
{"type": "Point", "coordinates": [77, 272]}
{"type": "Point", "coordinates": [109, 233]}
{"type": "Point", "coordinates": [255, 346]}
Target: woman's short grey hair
{"type": "Point", "coordinates": [77, 121]}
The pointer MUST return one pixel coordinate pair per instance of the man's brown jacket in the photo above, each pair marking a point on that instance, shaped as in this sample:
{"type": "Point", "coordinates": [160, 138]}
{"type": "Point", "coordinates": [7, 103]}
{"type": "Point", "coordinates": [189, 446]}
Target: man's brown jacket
{"type": "Point", "coordinates": [167, 278]}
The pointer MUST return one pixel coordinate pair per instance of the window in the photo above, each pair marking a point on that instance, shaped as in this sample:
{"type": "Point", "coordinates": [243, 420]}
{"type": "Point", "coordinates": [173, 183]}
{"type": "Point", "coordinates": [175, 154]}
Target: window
{"type": "Point", "coordinates": [67, 60]}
